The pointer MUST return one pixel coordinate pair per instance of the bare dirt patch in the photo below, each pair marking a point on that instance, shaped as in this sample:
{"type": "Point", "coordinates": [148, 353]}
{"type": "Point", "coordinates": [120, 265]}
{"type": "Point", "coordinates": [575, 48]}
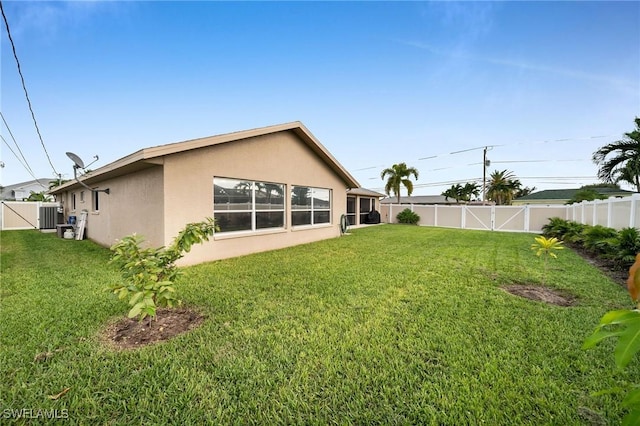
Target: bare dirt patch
{"type": "Point", "coordinates": [131, 334]}
{"type": "Point", "coordinates": [541, 294]}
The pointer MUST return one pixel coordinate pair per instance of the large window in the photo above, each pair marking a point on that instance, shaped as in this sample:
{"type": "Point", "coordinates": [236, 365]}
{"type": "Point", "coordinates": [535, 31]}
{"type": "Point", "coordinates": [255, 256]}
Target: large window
{"type": "Point", "coordinates": [245, 205]}
{"type": "Point", "coordinates": [310, 206]}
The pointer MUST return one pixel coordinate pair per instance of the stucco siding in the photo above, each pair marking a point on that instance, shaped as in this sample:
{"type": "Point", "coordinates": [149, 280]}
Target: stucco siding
{"type": "Point", "coordinates": [279, 158]}
{"type": "Point", "coordinates": [134, 204]}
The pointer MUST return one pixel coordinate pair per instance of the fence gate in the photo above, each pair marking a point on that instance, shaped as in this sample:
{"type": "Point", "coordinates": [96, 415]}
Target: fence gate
{"type": "Point", "coordinates": [16, 215]}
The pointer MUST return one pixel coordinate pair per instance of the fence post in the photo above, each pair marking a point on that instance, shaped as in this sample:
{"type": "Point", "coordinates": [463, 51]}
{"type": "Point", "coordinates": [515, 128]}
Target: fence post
{"type": "Point", "coordinates": [463, 217]}
{"type": "Point", "coordinates": [435, 215]}
{"type": "Point", "coordinates": [527, 218]}
{"type": "Point", "coordinates": [632, 215]}
{"type": "Point", "coordinates": [493, 217]}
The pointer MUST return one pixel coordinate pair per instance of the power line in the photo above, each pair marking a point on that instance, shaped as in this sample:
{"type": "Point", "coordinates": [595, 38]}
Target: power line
{"type": "Point", "coordinates": [26, 163]}
{"type": "Point", "coordinates": [446, 154]}
{"type": "Point", "coordinates": [24, 87]}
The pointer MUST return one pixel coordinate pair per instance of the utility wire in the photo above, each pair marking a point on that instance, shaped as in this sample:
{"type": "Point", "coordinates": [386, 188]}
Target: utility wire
{"type": "Point", "coordinates": [26, 166]}
{"type": "Point", "coordinates": [26, 163]}
{"type": "Point", "coordinates": [24, 87]}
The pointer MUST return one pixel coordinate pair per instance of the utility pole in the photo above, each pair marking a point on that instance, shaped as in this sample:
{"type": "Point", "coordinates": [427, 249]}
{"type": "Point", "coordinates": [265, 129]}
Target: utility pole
{"type": "Point", "coordinates": [484, 175]}
{"type": "Point", "coordinates": [485, 163]}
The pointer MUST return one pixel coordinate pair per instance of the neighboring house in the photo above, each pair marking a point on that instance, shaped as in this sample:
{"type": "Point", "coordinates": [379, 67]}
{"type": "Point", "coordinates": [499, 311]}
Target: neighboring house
{"type": "Point", "coordinates": [561, 196]}
{"type": "Point", "coordinates": [267, 188]}
{"type": "Point", "coordinates": [21, 191]}
{"type": "Point", "coordinates": [361, 202]}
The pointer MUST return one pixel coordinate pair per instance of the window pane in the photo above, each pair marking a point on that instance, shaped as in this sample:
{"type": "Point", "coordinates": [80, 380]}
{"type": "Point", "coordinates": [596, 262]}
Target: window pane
{"type": "Point", "coordinates": [301, 218]}
{"type": "Point", "coordinates": [321, 217]}
{"type": "Point", "coordinates": [229, 222]}
{"type": "Point", "coordinates": [232, 194]}
{"type": "Point", "coordinates": [301, 198]}
{"type": "Point", "coordinates": [269, 220]}
{"type": "Point", "coordinates": [269, 196]}
{"type": "Point", "coordinates": [321, 198]}
{"type": "Point", "coordinates": [365, 205]}
{"type": "Point", "coordinates": [351, 205]}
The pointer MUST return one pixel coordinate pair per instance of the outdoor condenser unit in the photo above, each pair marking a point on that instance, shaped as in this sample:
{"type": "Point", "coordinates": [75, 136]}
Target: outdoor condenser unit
{"type": "Point", "coordinates": [48, 217]}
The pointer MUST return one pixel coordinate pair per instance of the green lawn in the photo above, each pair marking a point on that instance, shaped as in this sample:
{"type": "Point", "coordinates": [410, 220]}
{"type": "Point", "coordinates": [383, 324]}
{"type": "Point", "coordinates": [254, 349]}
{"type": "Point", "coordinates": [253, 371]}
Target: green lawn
{"type": "Point", "coordinates": [390, 325]}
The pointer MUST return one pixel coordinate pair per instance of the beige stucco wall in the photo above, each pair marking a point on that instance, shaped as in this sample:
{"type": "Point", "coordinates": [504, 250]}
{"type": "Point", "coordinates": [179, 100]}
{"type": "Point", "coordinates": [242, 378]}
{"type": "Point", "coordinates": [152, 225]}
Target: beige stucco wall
{"type": "Point", "coordinates": [134, 204]}
{"type": "Point", "coordinates": [279, 158]}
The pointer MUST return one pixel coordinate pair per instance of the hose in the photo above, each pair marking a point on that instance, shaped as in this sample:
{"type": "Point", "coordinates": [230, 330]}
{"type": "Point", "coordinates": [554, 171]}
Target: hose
{"type": "Point", "coordinates": [344, 224]}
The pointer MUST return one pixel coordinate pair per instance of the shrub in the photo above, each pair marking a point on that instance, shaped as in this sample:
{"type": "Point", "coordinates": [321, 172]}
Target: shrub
{"type": "Point", "coordinates": [626, 246]}
{"type": "Point", "coordinates": [408, 216]}
{"type": "Point", "coordinates": [575, 233]}
{"type": "Point", "coordinates": [556, 227]}
{"type": "Point", "coordinates": [598, 239]}
{"type": "Point", "coordinates": [149, 273]}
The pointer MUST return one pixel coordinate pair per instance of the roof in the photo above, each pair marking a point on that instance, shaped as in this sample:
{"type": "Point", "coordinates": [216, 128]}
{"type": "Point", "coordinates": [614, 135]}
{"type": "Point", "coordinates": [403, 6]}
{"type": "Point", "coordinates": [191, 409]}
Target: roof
{"type": "Point", "coordinates": [31, 185]}
{"type": "Point", "coordinates": [420, 199]}
{"type": "Point", "coordinates": [148, 157]}
{"type": "Point", "coordinates": [43, 182]}
{"type": "Point", "coordinates": [364, 192]}
{"type": "Point", "coordinates": [567, 194]}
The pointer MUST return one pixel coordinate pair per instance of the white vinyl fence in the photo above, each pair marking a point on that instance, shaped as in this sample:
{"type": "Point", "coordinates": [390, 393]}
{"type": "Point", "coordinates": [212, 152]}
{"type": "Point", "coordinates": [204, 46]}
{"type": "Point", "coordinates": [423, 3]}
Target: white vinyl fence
{"type": "Point", "coordinates": [615, 213]}
{"type": "Point", "coordinates": [16, 215]}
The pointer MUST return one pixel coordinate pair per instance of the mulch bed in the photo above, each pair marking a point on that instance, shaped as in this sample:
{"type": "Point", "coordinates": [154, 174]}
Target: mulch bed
{"type": "Point", "coordinates": [616, 274]}
{"type": "Point", "coordinates": [130, 333]}
{"type": "Point", "coordinates": [541, 294]}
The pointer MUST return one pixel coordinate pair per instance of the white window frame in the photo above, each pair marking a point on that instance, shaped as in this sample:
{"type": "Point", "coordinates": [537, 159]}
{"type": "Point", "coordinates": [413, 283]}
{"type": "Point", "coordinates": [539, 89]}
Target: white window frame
{"type": "Point", "coordinates": [254, 210]}
{"type": "Point", "coordinates": [313, 209]}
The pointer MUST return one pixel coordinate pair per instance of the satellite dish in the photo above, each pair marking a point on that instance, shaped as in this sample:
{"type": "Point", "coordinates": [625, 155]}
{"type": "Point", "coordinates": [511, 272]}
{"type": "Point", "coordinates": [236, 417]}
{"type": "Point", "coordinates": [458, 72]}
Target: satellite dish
{"type": "Point", "coordinates": [79, 164]}
{"type": "Point", "coordinates": [77, 160]}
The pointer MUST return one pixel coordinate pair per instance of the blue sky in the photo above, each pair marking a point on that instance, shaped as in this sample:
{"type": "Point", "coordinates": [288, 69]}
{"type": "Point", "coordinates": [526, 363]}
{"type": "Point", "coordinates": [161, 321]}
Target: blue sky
{"type": "Point", "coordinates": [544, 83]}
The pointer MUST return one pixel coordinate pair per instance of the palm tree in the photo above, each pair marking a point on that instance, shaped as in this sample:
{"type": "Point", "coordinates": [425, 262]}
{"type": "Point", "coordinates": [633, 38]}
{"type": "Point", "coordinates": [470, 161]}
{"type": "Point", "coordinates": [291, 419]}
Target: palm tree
{"type": "Point", "coordinates": [454, 192]}
{"type": "Point", "coordinates": [502, 187]}
{"type": "Point", "coordinates": [470, 189]}
{"type": "Point", "coordinates": [629, 173]}
{"type": "Point", "coordinates": [522, 191]}
{"type": "Point", "coordinates": [614, 157]}
{"type": "Point", "coordinates": [399, 174]}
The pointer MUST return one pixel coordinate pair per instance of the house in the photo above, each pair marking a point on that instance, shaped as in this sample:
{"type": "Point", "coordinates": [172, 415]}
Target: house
{"type": "Point", "coordinates": [267, 188]}
{"type": "Point", "coordinates": [360, 202]}
{"type": "Point", "coordinates": [21, 191]}
{"type": "Point", "coordinates": [561, 196]}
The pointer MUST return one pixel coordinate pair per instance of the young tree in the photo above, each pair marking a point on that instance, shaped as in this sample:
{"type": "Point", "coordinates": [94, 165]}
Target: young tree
{"type": "Point", "coordinates": [399, 175]}
{"type": "Point", "coordinates": [613, 158]}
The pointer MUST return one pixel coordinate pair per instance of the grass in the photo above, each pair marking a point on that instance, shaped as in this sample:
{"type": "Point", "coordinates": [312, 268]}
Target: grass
{"type": "Point", "coordinates": [390, 325]}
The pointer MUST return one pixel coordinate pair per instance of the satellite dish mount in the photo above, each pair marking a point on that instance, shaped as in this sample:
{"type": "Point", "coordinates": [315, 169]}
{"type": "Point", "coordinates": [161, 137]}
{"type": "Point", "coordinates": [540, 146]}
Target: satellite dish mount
{"type": "Point", "coordinates": [79, 164]}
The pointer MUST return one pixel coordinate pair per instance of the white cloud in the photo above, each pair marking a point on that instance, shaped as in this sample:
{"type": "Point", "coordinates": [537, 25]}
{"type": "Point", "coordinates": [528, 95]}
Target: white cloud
{"type": "Point", "coordinates": [45, 20]}
{"type": "Point", "coordinates": [622, 85]}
